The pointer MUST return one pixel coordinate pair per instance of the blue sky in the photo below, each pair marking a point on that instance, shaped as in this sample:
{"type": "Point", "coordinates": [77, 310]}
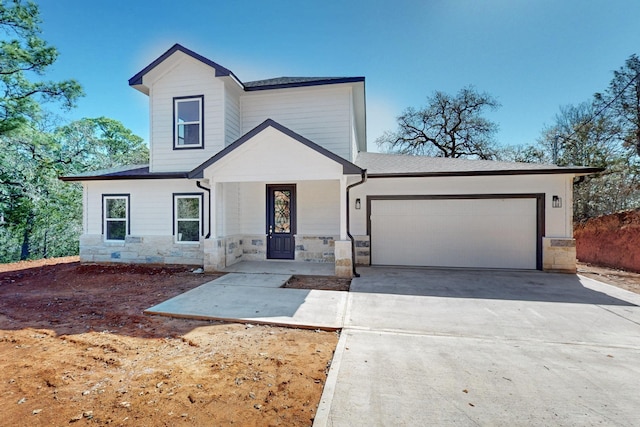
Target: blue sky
{"type": "Point", "coordinates": [532, 55]}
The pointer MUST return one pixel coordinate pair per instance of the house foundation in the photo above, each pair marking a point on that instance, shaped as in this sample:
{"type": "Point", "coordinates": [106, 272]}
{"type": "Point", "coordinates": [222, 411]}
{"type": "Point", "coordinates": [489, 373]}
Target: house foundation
{"type": "Point", "coordinates": [559, 254]}
{"type": "Point", "coordinates": [344, 264]}
{"type": "Point", "coordinates": [140, 250]}
{"type": "Point", "coordinates": [226, 251]}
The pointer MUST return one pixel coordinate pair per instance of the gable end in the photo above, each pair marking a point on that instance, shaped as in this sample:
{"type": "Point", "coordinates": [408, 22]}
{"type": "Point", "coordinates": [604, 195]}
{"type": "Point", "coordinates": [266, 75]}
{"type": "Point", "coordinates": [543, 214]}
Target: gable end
{"type": "Point", "coordinates": [348, 167]}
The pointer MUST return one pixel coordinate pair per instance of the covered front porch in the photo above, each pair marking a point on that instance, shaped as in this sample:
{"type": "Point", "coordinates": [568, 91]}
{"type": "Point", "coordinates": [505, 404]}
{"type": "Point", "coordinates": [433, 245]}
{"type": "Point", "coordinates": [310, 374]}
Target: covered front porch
{"type": "Point", "coordinates": [273, 195]}
{"type": "Point", "coordinates": [300, 268]}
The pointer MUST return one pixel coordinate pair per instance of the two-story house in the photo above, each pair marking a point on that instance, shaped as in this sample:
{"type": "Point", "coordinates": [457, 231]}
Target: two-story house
{"type": "Point", "coordinates": [279, 169]}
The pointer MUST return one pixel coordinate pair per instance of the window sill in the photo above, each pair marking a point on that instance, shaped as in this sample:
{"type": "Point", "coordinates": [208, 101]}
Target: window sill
{"type": "Point", "coordinates": [114, 242]}
{"type": "Point", "coordinates": [188, 147]}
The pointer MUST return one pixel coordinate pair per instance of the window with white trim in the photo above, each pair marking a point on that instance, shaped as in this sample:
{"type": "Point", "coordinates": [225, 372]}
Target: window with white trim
{"type": "Point", "coordinates": [116, 217]}
{"type": "Point", "coordinates": [187, 214]}
{"type": "Point", "coordinates": [188, 123]}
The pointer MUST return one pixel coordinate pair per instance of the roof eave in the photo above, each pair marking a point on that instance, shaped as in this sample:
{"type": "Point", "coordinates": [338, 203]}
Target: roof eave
{"type": "Point", "coordinates": [321, 82]}
{"type": "Point", "coordinates": [563, 171]}
{"type": "Point", "coordinates": [171, 175]}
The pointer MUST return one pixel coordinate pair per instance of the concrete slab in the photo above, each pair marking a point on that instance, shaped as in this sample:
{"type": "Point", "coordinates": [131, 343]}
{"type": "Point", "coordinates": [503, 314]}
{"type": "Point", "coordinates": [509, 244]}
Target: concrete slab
{"type": "Point", "coordinates": [257, 280]}
{"type": "Point", "coordinates": [406, 379]}
{"type": "Point", "coordinates": [252, 304]}
{"type": "Point", "coordinates": [460, 347]}
{"type": "Point", "coordinates": [283, 267]}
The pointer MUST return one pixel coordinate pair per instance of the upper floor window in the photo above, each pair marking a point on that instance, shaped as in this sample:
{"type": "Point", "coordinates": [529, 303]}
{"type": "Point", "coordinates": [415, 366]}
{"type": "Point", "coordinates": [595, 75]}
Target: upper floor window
{"type": "Point", "coordinates": [188, 124]}
{"type": "Point", "coordinates": [115, 216]}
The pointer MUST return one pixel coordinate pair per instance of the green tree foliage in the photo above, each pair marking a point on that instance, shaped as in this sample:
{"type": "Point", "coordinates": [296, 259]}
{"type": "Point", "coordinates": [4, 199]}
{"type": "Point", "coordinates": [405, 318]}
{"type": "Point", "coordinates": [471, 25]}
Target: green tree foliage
{"type": "Point", "coordinates": [587, 136]}
{"type": "Point", "coordinates": [603, 132]}
{"type": "Point", "coordinates": [448, 126]}
{"type": "Point", "coordinates": [91, 144]}
{"type": "Point", "coordinates": [24, 57]}
{"type": "Point", "coordinates": [43, 216]}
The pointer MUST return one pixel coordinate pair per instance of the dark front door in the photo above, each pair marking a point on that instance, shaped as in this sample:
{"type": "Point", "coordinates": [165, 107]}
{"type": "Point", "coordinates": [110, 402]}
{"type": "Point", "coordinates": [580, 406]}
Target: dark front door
{"type": "Point", "coordinates": [281, 221]}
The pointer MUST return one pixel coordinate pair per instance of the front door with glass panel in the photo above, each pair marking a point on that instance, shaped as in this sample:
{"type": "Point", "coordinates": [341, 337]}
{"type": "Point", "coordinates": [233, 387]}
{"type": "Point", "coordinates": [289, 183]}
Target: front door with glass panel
{"type": "Point", "coordinates": [281, 221]}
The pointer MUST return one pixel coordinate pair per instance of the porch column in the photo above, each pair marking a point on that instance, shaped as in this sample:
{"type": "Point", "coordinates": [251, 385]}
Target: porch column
{"type": "Point", "coordinates": [214, 247]}
{"type": "Point", "coordinates": [343, 207]}
{"type": "Point", "coordinates": [342, 249]}
{"type": "Point", "coordinates": [213, 209]}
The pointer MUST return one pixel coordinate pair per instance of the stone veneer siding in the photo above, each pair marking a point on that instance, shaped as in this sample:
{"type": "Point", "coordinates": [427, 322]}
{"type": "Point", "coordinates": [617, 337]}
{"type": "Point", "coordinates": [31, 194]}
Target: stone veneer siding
{"type": "Point", "coordinates": [212, 253]}
{"type": "Point", "coordinates": [254, 247]}
{"type": "Point", "coordinates": [559, 254]}
{"type": "Point", "coordinates": [140, 250]}
{"type": "Point", "coordinates": [315, 248]}
{"type": "Point", "coordinates": [363, 250]}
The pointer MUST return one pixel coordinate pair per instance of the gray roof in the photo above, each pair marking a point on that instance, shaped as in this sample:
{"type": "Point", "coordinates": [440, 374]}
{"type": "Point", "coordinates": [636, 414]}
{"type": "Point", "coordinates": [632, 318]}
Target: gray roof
{"type": "Point", "coordinates": [284, 82]}
{"type": "Point", "coordinates": [291, 81]}
{"type": "Point", "coordinates": [123, 172]}
{"type": "Point", "coordinates": [220, 71]}
{"type": "Point", "coordinates": [402, 164]}
{"type": "Point", "coordinates": [376, 164]}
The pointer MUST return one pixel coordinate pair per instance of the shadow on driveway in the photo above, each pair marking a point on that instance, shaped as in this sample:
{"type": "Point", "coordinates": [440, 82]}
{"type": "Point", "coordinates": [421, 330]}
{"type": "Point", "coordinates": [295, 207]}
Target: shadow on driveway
{"type": "Point", "coordinates": [483, 284]}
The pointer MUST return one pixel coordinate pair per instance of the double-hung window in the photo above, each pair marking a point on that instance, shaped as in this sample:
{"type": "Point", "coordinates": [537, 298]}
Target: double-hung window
{"type": "Point", "coordinates": [188, 122]}
{"type": "Point", "coordinates": [187, 217]}
{"type": "Point", "coordinates": [115, 215]}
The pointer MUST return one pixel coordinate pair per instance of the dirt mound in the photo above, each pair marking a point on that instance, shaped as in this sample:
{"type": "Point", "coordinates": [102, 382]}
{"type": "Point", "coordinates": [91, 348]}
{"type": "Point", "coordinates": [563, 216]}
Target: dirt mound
{"type": "Point", "coordinates": [610, 240]}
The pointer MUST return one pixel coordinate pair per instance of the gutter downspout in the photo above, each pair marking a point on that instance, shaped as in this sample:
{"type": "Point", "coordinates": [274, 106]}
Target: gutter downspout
{"type": "Point", "coordinates": [208, 190]}
{"type": "Point", "coordinates": [353, 241]}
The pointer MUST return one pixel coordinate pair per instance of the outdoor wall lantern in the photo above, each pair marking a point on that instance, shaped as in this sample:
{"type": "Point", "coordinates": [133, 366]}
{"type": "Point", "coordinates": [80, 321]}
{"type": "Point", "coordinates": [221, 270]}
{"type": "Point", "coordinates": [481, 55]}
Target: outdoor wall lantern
{"type": "Point", "coordinates": [556, 201]}
{"type": "Point", "coordinates": [358, 205]}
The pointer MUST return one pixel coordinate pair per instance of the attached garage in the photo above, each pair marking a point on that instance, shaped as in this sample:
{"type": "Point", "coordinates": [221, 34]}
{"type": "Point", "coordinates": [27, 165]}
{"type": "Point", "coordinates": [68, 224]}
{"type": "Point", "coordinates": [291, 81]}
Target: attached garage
{"type": "Point", "coordinates": [476, 231]}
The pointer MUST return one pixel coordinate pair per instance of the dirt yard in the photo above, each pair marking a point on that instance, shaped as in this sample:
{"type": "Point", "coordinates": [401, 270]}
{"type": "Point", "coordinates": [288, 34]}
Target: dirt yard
{"type": "Point", "coordinates": [623, 279]}
{"type": "Point", "coordinates": [76, 350]}
{"type": "Point", "coordinates": [610, 240]}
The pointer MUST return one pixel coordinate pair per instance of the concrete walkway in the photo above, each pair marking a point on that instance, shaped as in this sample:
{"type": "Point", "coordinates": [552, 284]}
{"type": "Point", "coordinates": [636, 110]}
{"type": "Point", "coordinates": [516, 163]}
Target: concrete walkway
{"type": "Point", "coordinates": [458, 348]}
{"type": "Point", "coordinates": [258, 298]}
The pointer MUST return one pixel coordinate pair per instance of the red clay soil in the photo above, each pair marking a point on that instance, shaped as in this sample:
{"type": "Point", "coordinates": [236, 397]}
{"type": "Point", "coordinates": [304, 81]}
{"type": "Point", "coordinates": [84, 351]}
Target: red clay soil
{"type": "Point", "coordinates": [610, 240]}
{"type": "Point", "coordinates": [75, 349]}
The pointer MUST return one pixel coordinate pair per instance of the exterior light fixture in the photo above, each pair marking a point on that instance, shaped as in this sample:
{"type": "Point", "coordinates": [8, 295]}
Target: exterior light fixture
{"type": "Point", "coordinates": [358, 204]}
{"type": "Point", "coordinates": [556, 201]}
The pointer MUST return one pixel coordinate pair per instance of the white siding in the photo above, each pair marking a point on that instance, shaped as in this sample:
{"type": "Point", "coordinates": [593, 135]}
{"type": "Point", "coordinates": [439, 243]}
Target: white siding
{"type": "Point", "coordinates": [151, 204]}
{"type": "Point", "coordinates": [318, 208]}
{"type": "Point", "coordinates": [232, 116]}
{"type": "Point", "coordinates": [273, 156]}
{"type": "Point", "coordinates": [231, 209]}
{"type": "Point", "coordinates": [320, 114]}
{"type": "Point", "coordinates": [557, 220]}
{"type": "Point", "coordinates": [187, 78]}
{"type": "Point", "coordinates": [252, 208]}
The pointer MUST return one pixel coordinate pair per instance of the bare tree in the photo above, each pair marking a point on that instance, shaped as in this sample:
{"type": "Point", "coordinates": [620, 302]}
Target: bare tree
{"type": "Point", "coordinates": [448, 126]}
{"type": "Point", "coordinates": [623, 99]}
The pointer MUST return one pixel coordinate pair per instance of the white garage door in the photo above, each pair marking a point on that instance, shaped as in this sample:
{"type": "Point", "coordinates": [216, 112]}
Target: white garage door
{"type": "Point", "coordinates": [483, 233]}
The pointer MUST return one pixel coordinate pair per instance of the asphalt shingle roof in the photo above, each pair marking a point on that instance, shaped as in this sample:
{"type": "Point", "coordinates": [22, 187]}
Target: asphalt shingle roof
{"type": "Point", "coordinates": [123, 172]}
{"type": "Point", "coordinates": [283, 82]}
{"type": "Point", "coordinates": [402, 164]}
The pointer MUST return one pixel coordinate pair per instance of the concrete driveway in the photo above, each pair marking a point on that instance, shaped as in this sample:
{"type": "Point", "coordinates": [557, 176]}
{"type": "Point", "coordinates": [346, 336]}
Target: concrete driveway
{"type": "Point", "coordinates": [459, 348]}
